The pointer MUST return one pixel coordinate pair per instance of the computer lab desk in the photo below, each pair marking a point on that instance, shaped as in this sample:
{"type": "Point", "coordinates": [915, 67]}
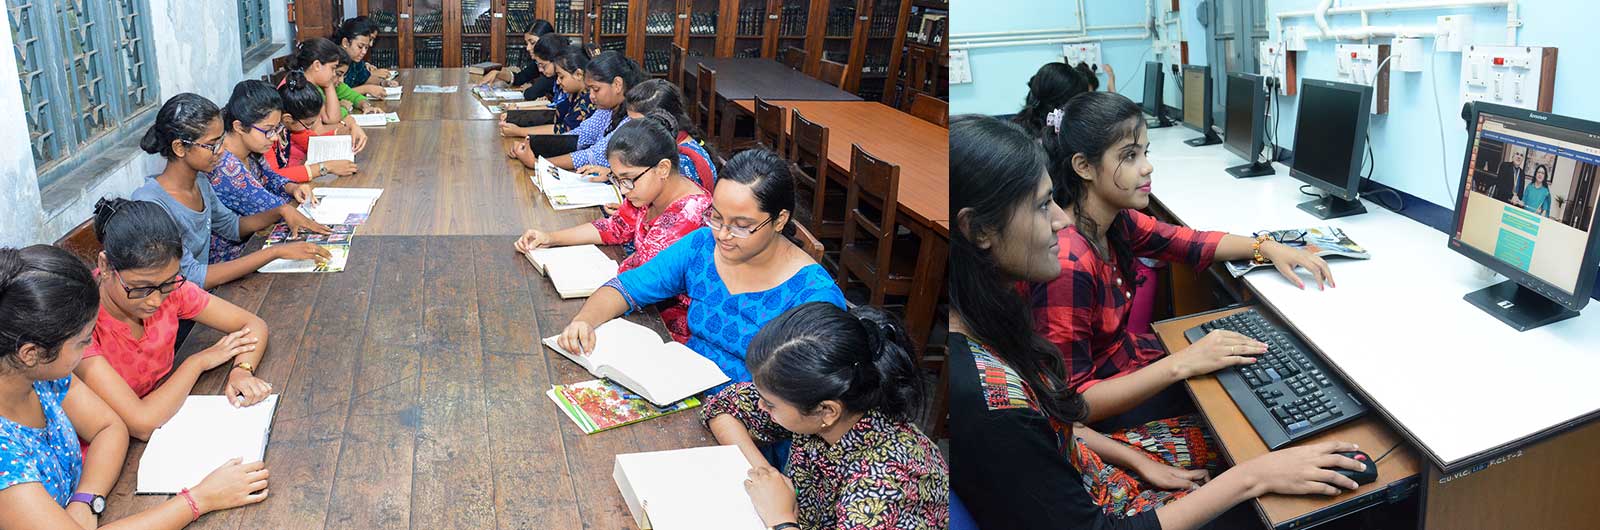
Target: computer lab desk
{"type": "Point", "coordinates": [1494, 425]}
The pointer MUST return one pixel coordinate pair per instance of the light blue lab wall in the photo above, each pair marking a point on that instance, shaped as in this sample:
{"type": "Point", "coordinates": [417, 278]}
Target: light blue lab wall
{"type": "Point", "coordinates": [1423, 106]}
{"type": "Point", "coordinates": [1000, 75]}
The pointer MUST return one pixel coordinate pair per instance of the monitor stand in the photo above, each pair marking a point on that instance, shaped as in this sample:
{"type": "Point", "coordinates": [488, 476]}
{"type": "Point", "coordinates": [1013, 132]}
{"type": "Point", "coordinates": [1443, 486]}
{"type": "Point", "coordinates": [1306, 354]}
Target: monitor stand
{"type": "Point", "coordinates": [1518, 306]}
{"type": "Point", "coordinates": [1258, 169]}
{"type": "Point", "coordinates": [1159, 122]}
{"type": "Point", "coordinates": [1209, 139]}
{"type": "Point", "coordinates": [1331, 207]}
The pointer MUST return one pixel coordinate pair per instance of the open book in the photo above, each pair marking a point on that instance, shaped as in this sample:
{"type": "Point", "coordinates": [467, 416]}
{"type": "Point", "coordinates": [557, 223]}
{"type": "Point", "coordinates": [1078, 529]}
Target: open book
{"type": "Point", "coordinates": [575, 271]}
{"type": "Point", "coordinates": [599, 405]}
{"type": "Point", "coordinates": [377, 120]}
{"type": "Point", "coordinates": [483, 68]}
{"type": "Point", "coordinates": [324, 148]}
{"type": "Point", "coordinates": [537, 104]}
{"type": "Point", "coordinates": [635, 357]}
{"type": "Point", "coordinates": [1323, 241]}
{"type": "Point", "coordinates": [496, 94]}
{"type": "Point", "coordinates": [391, 93]}
{"type": "Point", "coordinates": [206, 433]}
{"type": "Point", "coordinates": [700, 488]}
{"type": "Point", "coordinates": [342, 205]}
{"type": "Point", "coordinates": [569, 190]}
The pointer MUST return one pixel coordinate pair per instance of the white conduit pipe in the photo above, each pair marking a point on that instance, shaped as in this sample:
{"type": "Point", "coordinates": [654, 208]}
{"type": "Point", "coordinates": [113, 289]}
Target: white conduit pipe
{"type": "Point", "coordinates": [1324, 8]}
{"type": "Point", "coordinates": [1063, 40]}
{"type": "Point", "coordinates": [996, 39]}
{"type": "Point", "coordinates": [1041, 35]}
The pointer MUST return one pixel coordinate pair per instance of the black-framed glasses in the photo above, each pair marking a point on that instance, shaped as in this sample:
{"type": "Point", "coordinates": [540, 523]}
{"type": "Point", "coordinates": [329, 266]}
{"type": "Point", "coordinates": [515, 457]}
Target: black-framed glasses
{"type": "Point", "coordinates": [136, 293]}
{"type": "Point", "coordinates": [273, 132]}
{"type": "Point", "coordinates": [1292, 236]}
{"type": "Point", "coordinates": [625, 185]}
{"type": "Point", "coordinates": [213, 147]}
{"type": "Point", "coordinates": [713, 219]}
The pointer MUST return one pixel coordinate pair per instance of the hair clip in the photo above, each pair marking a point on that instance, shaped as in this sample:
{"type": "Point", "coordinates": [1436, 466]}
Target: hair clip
{"type": "Point", "coordinates": [1054, 120]}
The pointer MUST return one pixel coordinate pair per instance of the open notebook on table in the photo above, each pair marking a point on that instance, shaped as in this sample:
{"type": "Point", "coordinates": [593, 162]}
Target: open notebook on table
{"type": "Point", "coordinates": [569, 190]}
{"type": "Point", "coordinates": [377, 120]}
{"type": "Point", "coordinates": [206, 432]}
{"type": "Point", "coordinates": [637, 358]}
{"type": "Point", "coordinates": [575, 271]}
{"type": "Point", "coordinates": [342, 205]}
{"type": "Point", "coordinates": [700, 488]}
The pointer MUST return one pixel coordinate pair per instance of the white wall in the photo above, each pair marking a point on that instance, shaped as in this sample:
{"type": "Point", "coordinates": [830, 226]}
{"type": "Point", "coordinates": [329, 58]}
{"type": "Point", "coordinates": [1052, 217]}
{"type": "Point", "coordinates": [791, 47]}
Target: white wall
{"type": "Point", "coordinates": [197, 50]}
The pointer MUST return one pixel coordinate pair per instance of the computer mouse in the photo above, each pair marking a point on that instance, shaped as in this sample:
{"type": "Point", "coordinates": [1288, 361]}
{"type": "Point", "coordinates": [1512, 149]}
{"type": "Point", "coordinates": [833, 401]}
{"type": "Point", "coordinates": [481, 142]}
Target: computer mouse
{"type": "Point", "coordinates": [1361, 477]}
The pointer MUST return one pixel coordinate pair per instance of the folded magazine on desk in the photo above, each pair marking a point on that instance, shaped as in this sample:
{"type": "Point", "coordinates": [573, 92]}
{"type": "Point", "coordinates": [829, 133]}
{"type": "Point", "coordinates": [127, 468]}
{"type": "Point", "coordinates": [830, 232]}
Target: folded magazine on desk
{"type": "Point", "coordinates": [1323, 241]}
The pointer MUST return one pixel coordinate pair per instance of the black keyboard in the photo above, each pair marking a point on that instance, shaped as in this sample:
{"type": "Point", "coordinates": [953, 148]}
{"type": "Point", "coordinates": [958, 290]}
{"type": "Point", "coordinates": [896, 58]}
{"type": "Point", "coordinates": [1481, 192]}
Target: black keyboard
{"type": "Point", "coordinates": [1289, 393]}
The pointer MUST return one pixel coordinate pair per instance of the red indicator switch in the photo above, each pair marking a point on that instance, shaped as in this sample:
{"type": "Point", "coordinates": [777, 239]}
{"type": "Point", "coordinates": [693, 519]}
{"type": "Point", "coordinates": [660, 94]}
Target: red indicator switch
{"type": "Point", "coordinates": [1499, 61]}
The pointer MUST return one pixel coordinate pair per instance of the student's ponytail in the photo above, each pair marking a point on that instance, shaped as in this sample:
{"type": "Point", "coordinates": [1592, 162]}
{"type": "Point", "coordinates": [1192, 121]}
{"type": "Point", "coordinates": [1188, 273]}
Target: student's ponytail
{"type": "Point", "coordinates": [1048, 90]}
{"type": "Point", "coordinates": [301, 99]}
{"type": "Point", "coordinates": [818, 352]}
{"type": "Point", "coordinates": [46, 296]}
{"type": "Point", "coordinates": [183, 117]}
{"type": "Point", "coordinates": [317, 50]}
{"type": "Point", "coordinates": [646, 141]}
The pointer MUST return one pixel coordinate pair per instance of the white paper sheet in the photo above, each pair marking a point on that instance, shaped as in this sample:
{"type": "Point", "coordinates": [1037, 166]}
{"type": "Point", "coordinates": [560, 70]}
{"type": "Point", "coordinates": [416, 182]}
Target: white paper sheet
{"type": "Point", "coordinates": [324, 148]}
{"type": "Point", "coordinates": [205, 433]}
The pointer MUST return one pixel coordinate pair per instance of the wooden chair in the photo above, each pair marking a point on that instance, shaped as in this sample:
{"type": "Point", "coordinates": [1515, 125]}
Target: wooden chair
{"type": "Point", "coordinates": [831, 73]}
{"type": "Point", "coordinates": [675, 66]}
{"type": "Point", "coordinates": [769, 127]}
{"type": "Point", "coordinates": [794, 58]}
{"type": "Point", "coordinates": [931, 109]}
{"type": "Point", "coordinates": [705, 100]}
{"type": "Point", "coordinates": [802, 238]}
{"type": "Point", "coordinates": [280, 64]}
{"type": "Point", "coordinates": [822, 212]}
{"type": "Point", "coordinates": [869, 253]}
{"type": "Point", "coordinates": [81, 242]}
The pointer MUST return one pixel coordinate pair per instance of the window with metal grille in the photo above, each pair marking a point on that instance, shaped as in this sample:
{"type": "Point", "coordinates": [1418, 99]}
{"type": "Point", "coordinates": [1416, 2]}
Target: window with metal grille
{"type": "Point", "coordinates": [255, 24]}
{"type": "Point", "coordinates": [85, 67]}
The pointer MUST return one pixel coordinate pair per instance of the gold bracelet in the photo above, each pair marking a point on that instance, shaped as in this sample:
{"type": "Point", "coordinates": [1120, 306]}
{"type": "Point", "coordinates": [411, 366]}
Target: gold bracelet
{"type": "Point", "coordinates": [246, 367]}
{"type": "Point", "coordinates": [1255, 248]}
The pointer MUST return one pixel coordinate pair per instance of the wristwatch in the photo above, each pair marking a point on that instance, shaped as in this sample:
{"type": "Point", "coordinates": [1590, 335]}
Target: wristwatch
{"type": "Point", "coordinates": [96, 503]}
{"type": "Point", "coordinates": [322, 169]}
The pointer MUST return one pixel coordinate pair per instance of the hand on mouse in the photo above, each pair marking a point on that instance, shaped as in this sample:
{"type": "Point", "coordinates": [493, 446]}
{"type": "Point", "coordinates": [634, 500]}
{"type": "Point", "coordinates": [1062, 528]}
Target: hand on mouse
{"type": "Point", "coordinates": [1302, 470]}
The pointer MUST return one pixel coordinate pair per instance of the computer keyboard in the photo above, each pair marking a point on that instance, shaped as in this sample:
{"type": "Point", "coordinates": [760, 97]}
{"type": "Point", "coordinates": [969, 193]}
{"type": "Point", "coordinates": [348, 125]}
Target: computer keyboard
{"type": "Point", "coordinates": [1288, 394]}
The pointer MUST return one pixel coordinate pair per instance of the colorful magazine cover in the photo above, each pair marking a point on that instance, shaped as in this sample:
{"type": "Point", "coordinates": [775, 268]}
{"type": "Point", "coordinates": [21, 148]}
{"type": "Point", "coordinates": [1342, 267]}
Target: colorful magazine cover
{"type": "Point", "coordinates": [339, 234]}
{"type": "Point", "coordinates": [600, 404]}
{"type": "Point", "coordinates": [1323, 241]}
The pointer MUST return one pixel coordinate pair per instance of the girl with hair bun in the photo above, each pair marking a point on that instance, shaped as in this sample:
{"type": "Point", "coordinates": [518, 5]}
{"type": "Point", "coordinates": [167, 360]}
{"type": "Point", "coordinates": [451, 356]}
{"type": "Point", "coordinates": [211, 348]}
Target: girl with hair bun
{"type": "Point", "coordinates": [841, 387]}
{"type": "Point", "coordinates": [188, 133]}
{"type": "Point", "coordinates": [47, 480]}
{"type": "Point", "coordinates": [662, 206]}
{"type": "Point", "coordinates": [302, 116]}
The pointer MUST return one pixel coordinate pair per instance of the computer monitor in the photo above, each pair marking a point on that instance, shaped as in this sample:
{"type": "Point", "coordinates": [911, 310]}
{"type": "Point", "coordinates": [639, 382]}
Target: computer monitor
{"type": "Point", "coordinates": [1330, 133]}
{"type": "Point", "coordinates": [1530, 185]}
{"type": "Point", "coordinates": [1197, 105]}
{"type": "Point", "coordinates": [1154, 80]}
{"type": "Point", "coordinates": [1245, 132]}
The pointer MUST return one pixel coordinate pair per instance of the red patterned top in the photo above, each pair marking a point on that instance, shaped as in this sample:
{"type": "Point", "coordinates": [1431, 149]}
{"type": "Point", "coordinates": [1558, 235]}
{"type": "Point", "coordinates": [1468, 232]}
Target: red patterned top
{"type": "Point", "coordinates": [1084, 312]}
{"type": "Point", "coordinates": [884, 474]}
{"type": "Point", "coordinates": [143, 361]}
{"type": "Point", "coordinates": [650, 237]}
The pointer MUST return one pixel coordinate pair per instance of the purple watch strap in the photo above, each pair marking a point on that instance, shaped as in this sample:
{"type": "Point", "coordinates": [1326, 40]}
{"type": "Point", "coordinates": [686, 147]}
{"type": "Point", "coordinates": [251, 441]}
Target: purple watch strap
{"type": "Point", "coordinates": [86, 498]}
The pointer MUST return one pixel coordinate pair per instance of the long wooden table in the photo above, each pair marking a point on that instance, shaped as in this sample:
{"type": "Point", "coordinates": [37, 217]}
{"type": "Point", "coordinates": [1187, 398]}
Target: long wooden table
{"type": "Point", "coordinates": [412, 384]}
{"type": "Point", "coordinates": [461, 105]}
{"type": "Point", "coordinates": [739, 79]}
{"type": "Point", "coordinates": [922, 150]}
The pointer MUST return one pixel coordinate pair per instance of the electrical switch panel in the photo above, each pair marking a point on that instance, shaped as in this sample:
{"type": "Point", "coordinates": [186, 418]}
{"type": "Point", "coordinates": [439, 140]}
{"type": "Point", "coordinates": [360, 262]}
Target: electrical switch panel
{"type": "Point", "coordinates": [1082, 52]}
{"type": "Point", "coordinates": [1278, 63]}
{"type": "Point", "coordinates": [1516, 76]}
{"type": "Point", "coordinates": [1359, 64]}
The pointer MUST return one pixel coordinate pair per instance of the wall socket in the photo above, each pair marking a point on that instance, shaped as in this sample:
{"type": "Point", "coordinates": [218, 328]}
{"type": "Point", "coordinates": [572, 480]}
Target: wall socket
{"type": "Point", "coordinates": [1358, 64]}
{"type": "Point", "coordinates": [1082, 52]}
{"type": "Point", "coordinates": [1452, 35]}
{"type": "Point", "coordinates": [1278, 63]}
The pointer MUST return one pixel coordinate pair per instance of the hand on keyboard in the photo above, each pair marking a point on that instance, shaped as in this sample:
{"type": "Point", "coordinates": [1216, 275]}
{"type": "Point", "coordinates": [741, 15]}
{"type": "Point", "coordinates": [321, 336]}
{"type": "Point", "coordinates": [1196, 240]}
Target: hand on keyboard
{"type": "Point", "coordinates": [1217, 350]}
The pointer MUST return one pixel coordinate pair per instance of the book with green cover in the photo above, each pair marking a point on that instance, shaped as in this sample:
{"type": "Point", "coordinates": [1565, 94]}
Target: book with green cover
{"type": "Point", "coordinates": [600, 404]}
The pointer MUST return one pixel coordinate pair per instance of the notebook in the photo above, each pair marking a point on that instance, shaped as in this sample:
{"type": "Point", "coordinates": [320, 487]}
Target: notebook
{"type": "Point", "coordinates": [206, 432]}
{"type": "Point", "coordinates": [537, 104]}
{"type": "Point", "coordinates": [597, 405]}
{"type": "Point", "coordinates": [575, 271]}
{"type": "Point", "coordinates": [635, 357]}
{"type": "Point", "coordinates": [377, 120]}
{"type": "Point", "coordinates": [325, 148]}
{"type": "Point", "coordinates": [700, 488]}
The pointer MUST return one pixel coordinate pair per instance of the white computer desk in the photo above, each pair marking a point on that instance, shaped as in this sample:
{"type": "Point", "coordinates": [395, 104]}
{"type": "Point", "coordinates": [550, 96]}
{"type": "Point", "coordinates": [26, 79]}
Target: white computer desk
{"type": "Point", "coordinates": [1451, 378]}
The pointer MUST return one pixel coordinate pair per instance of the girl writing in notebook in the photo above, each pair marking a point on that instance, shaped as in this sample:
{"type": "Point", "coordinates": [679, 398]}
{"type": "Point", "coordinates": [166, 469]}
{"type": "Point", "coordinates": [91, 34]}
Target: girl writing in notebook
{"type": "Point", "coordinates": [47, 313]}
{"type": "Point", "coordinates": [142, 297]}
{"type": "Point", "coordinates": [738, 272]}
{"type": "Point", "coordinates": [188, 133]}
{"type": "Point", "coordinates": [1019, 453]}
{"type": "Point", "coordinates": [545, 54]}
{"type": "Point", "coordinates": [242, 179]}
{"type": "Point", "coordinates": [662, 205]}
{"type": "Point", "coordinates": [302, 117]}
{"type": "Point", "coordinates": [535, 80]}
{"type": "Point", "coordinates": [1097, 150]}
{"type": "Point", "coordinates": [841, 386]}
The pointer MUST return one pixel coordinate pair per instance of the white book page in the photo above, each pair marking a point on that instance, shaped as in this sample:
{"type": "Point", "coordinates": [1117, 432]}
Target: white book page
{"type": "Point", "coordinates": [576, 268]}
{"type": "Point", "coordinates": [583, 361]}
{"type": "Point", "coordinates": [325, 148]}
{"type": "Point", "coordinates": [585, 195]}
{"type": "Point", "coordinates": [700, 488]}
{"type": "Point", "coordinates": [393, 91]}
{"type": "Point", "coordinates": [507, 94]}
{"type": "Point", "coordinates": [337, 209]}
{"type": "Point", "coordinates": [206, 432]}
{"type": "Point", "coordinates": [668, 373]}
{"type": "Point", "coordinates": [370, 194]}
{"type": "Point", "coordinates": [371, 120]}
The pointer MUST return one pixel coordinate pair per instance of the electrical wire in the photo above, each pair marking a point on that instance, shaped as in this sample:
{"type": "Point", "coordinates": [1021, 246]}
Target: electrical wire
{"type": "Point", "coordinates": [1372, 166]}
{"type": "Point", "coordinates": [1386, 453]}
{"type": "Point", "coordinates": [1444, 154]}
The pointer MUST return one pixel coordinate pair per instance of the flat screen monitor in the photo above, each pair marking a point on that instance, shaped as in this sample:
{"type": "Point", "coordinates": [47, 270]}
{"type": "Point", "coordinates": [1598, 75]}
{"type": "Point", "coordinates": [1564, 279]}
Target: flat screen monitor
{"type": "Point", "coordinates": [1329, 137]}
{"type": "Point", "coordinates": [1526, 209]}
{"type": "Point", "coordinates": [1197, 104]}
{"type": "Point", "coordinates": [1154, 81]}
{"type": "Point", "coordinates": [1245, 132]}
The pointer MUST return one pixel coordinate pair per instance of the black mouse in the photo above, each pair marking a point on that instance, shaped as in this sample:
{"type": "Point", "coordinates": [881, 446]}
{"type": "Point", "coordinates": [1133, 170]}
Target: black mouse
{"type": "Point", "coordinates": [1361, 477]}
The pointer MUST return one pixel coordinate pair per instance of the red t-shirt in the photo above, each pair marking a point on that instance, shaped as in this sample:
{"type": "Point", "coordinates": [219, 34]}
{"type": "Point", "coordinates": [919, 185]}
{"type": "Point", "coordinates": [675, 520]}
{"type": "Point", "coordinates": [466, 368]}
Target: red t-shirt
{"type": "Point", "coordinates": [142, 362]}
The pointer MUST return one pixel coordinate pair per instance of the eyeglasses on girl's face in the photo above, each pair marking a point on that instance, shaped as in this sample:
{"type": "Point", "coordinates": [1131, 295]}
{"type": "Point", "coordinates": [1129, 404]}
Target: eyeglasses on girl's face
{"type": "Point", "coordinates": [713, 219]}
{"type": "Point", "coordinates": [136, 293]}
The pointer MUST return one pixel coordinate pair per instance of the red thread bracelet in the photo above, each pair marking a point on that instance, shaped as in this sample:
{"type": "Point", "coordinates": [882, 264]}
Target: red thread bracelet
{"type": "Point", "coordinates": [192, 506]}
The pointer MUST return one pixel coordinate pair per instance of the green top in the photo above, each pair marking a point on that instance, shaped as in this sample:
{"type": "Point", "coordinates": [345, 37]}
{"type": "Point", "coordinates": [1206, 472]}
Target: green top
{"type": "Point", "coordinates": [346, 93]}
{"type": "Point", "coordinates": [1536, 199]}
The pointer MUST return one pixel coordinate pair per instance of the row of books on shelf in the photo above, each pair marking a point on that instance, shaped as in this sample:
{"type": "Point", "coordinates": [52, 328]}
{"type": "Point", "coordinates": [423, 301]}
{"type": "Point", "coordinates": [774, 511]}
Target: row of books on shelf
{"type": "Point", "coordinates": [479, 24]}
{"type": "Point", "coordinates": [614, 18]}
{"type": "Point", "coordinates": [428, 22]}
{"type": "Point", "coordinates": [387, 21]}
{"type": "Point", "coordinates": [792, 20]}
{"type": "Point", "coordinates": [519, 16]}
{"type": "Point", "coordinates": [703, 23]}
{"type": "Point", "coordinates": [747, 53]}
{"type": "Point", "coordinates": [752, 21]}
{"type": "Point", "coordinates": [659, 23]}
{"type": "Point", "coordinates": [657, 61]}
{"type": "Point", "coordinates": [883, 20]}
{"type": "Point", "coordinates": [841, 21]}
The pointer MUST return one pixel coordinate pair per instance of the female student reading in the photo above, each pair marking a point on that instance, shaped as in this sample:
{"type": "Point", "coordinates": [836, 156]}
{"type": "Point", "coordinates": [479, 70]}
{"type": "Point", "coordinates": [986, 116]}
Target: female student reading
{"type": "Point", "coordinates": [738, 273]}
{"type": "Point", "coordinates": [1097, 149]}
{"type": "Point", "coordinates": [320, 60]}
{"type": "Point", "coordinates": [663, 205]}
{"type": "Point", "coordinates": [841, 387]}
{"type": "Point", "coordinates": [355, 35]}
{"type": "Point", "coordinates": [659, 94]}
{"type": "Point", "coordinates": [188, 133]}
{"type": "Point", "coordinates": [242, 179]}
{"type": "Point", "coordinates": [47, 312]}
{"type": "Point", "coordinates": [608, 77]}
{"type": "Point", "coordinates": [1019, 455]}
{"type": "Point", "coordinates": [536, 79]}
{"type": "Point", "coordinates": [302, 116]}
{"type": "Point", "coordinates": [142, 297]}
{"type": "Point", "coordinates": [570, 101]}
